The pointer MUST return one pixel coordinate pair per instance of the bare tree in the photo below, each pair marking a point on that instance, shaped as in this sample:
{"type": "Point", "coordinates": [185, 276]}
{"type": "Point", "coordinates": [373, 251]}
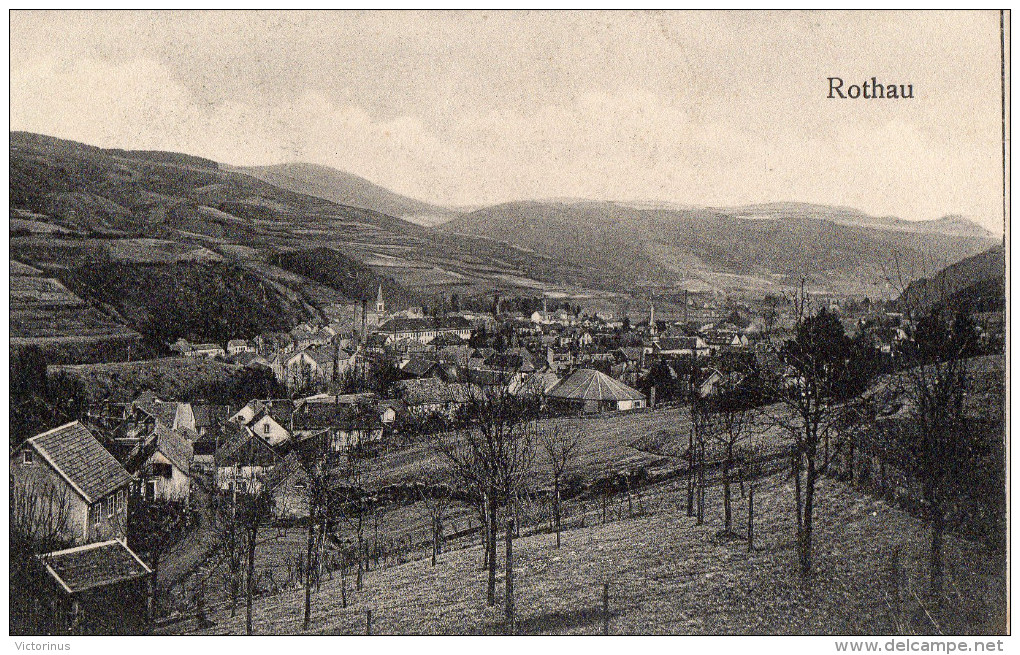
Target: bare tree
{"type": "Point", "coordinates": [253, 511]}
{"type": "Point", "coordinates": [248, 508]}
{"type": "Point", "coordinates": [559, 445]}
{"type": "Point", "coordinates": [496, 449]}
{"type": "Point", "coordinates": [39, 513]}
{"type": "Point", "coordinates": [355, 506]}
{"type": "Point", "coordinates": [826, 370]}
{"type": "Point", "coordinates": [923, 420]}
{"type": "Point", "coordinates": [921, 411]}
{"type": "Point", "coordinates": [752, 467]}
{"type": "Point", "coordinates": [732, 423]}
{"type": "Point", "coordinates": [321, 465]}
{"type": "Point", "coordinates": [39, 523]}
{"type": "Point", "coordinates": [705, 427]}
{"type": "Point", "coordinates": [435, 494]}
{"type": "Point", "coordinates": [230, 545]}
{"type": "Point", "coordinates": [156, 526]}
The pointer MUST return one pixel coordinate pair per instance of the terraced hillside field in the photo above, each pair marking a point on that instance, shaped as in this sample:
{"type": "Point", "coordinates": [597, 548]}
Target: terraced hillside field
{"type": "Point", "coordinates": [46, 314]}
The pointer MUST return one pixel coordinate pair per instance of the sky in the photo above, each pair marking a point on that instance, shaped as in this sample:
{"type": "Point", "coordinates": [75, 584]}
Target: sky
{"type": "Point", "coordinates": [466, 109]}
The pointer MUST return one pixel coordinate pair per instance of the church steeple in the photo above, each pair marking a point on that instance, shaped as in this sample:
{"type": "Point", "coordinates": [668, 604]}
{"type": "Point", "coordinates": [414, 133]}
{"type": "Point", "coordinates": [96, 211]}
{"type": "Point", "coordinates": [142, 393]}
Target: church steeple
{"type": "Point", "coordinates": [652, 328]}
{"type": "Point", "coordinates": [380, 304]}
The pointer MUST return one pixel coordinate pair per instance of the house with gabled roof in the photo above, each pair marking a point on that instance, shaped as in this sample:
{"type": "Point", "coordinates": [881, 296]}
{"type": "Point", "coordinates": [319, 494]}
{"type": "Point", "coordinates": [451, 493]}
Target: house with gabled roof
{"type": "Point", "coordinates": [163, 462]}
{"type": "Point", "coordinates": [421, 367]}
{"type": "Point", "coordinates": [341, 426]}
{"type": "Point", "coordinates": [207, 350]}
{"type": "Point", "coordinates": [242, 461]}
{"type": "Point", "coordinates": [208, 415]}
{"type": "Point", "coordinates": [146, 409]}
{"type": "Point", "coordinates": [289, 482]}
{"type": "Point", "coordinates": [68, 471]}
{"type": "Point", "coordinates": [679, 347]}
{"type": "Point", "coordinates": [273, 426]}
{"type": "Point", "coordinates": [425, 330]}
{"type": "Point", "coordinates": [244, 415]}
{"type": "Point", "coordinates": [237, 346]}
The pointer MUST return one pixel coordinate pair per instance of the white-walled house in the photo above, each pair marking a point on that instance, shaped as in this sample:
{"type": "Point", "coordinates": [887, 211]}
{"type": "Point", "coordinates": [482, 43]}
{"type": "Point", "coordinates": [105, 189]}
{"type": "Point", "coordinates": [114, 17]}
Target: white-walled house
{"type": "Point", "coordinates": [162, 462]}
{"type": "Point", "coordinates": [68, 476]}
{"type": "Point", "coordinates": [269, 428]}
{"type": "Point", "coordinates": [244, 415]}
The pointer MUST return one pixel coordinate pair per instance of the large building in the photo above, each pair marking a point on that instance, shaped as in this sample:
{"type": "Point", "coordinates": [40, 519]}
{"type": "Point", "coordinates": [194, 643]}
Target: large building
{"type": "Point", "coordinates": [588, 390]}
{"type": "Point", "coordinates": [424, 330]}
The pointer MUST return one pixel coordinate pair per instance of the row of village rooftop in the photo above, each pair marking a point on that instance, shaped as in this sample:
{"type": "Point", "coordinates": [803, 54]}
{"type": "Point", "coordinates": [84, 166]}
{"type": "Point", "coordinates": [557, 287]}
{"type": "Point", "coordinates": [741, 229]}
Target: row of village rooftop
{"type": "Point", "coordinates": [161, 444]}
{"type": "Point", "coordinates": [87, 471]}
{"type": "Point", "coordinates": [557, 341]}
{"type": "Point", "coordinates": [157, 447]}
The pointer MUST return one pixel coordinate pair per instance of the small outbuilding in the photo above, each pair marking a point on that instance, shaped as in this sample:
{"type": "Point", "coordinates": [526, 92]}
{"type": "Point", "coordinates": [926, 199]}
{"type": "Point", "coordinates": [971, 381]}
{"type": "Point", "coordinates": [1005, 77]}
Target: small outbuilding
{"type": "Point", "coordinates": [100, 588]}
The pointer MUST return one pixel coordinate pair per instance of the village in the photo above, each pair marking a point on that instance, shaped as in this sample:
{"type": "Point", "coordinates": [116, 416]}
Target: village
{"type": "Point", "coordinates": [135, 491]}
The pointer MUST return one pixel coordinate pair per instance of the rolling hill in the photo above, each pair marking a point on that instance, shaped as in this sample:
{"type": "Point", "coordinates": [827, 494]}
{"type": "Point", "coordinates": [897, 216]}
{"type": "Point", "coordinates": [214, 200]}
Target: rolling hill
{"type": "Point", "coordinates": [978, 282]}
{"type": "Point", "coordinates": [347, 189]}
{"type": "Point", "coordinates": [319, 240]}
{"type": "Point", "coordinates": [759, 247]}
{"type": "Point", "coordinates": [144, 216]}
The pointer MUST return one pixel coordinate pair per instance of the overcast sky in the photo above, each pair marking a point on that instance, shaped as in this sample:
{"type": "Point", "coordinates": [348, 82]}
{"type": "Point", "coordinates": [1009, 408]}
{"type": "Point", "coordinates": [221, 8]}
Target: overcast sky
{"type": "Point", "coordinates": [466, 109]}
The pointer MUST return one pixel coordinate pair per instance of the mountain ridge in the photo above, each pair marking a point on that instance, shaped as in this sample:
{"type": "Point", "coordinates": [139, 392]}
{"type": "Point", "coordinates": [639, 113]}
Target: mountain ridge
{"type": "Point", "coordinates": [349, 189]}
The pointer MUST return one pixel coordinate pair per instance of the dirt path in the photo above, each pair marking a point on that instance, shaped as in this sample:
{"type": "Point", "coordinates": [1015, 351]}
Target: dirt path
{"type": "Point", "coordinates": [196, 546]}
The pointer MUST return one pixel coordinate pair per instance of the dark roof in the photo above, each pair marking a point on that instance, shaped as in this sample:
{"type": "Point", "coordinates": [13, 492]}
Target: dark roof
{"type": "Point", "coordinates": [302, 332]}
{"type": "Point", "coordinates": [517, 359]}
{"type": "Point", "coordinates": [453, 354]}
{"type": "Point", "coordinates": [489, 377]}
{"type": "Point", "coordinates": [288, 466]}
{"type": "Point", "coordinates": [279, 410]}
{"type": "Point", "coordinates": [631, 353]}
{"type": "Point", "coordinates": [146, 397]}
{"type": "Point", "coordinates": [171, 443]}
{"type": "Point", "coordinates": [537, 383]}
{"type": "Point", "coordinates": [418, 367]}
{"type": "Point", "coordinates": [678, 343]}
{"type": "Point", "coordinates": [78, 456]}
{"type": "Point", "coordinates": [208, 415]}
{"type": "Point", "coordinates": [159, 410]}
{"type": "Point", "coordinates": [448, 339]}
{"type": "Point", "coordinates": [245, 447]}
{"type": "Point", "coordinates": [589, 384]}
{"type": "Point", "coordinates": [95, 565]}
{"type": "Point", "coordinates": [323, 355]}
{"type": "Point", "coordinates": [315, 416]}
{"type": "Point", "coordinates": [430, 391]}
{"type": "Point", "coordinates": [249, 358]}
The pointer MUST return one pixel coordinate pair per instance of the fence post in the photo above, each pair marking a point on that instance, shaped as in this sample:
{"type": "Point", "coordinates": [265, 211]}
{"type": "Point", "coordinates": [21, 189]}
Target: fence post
{"type": "Point", "coordinates": [368, 622]}
{"type": "Point", "coordinates": [894, 574]}
{"type": "Point", "coordinates": [605, 608]}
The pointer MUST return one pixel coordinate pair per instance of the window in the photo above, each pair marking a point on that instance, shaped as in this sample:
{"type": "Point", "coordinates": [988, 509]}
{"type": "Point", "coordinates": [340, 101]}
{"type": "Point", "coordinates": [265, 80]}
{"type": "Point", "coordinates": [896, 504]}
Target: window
{"type": "Point", "coordinates": [27, 457]}
{"type": "Point", "coordinates": [97, 513]}
{"type": "Point", "coordinates": [109, 506]}
{"type": "Point", "coordinates": [120, 501]}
